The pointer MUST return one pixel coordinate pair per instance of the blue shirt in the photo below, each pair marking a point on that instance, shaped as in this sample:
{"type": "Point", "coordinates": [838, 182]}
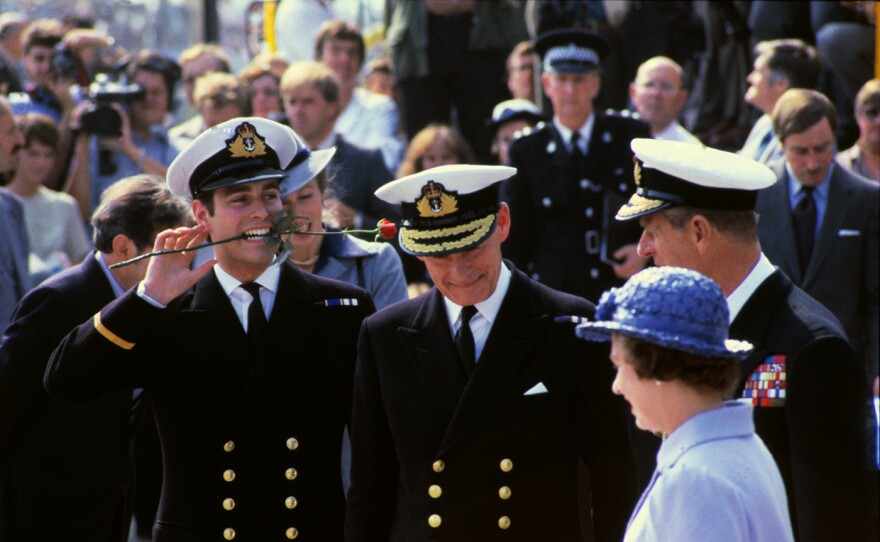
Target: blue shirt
{"type": "Point", "coordinates": [715, 482]}
{"type": "Point", "coordinates": [820, 193]}
{"type": "Point", "coordinates": [120, 166]}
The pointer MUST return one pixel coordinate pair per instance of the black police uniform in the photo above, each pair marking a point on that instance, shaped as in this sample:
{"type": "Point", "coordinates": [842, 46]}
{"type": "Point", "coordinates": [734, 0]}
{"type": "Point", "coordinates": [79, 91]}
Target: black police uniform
{"type": "Point", "coordinates": [557, 205]}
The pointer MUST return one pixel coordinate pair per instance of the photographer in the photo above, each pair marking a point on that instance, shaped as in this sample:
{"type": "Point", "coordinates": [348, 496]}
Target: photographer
{"type": "Point", "coordinates": [120, 130]}
{"type": "Point", "coordinates": [55, 72]}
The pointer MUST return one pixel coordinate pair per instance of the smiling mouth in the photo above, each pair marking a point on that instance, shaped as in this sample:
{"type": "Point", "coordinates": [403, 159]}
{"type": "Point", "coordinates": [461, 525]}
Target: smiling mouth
{"type": "Point", "coordinates": [256, 233]}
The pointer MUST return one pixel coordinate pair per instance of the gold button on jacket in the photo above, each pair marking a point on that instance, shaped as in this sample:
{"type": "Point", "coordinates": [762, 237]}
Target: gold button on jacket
{"type": "Point", "coordinates": [504, 492]}
{"type": "Point", "coordinates": [504, 522]}
{"type": "Point", "coordinates": [292, 444]}
{"type": "Point", "coordinates": [229, 533]}
{"type": "Point", "coordinates": [439, 465]}
{"type": "Point", "coordinates": [435, 520]}
{"type": "Point", "coordinates": [228, 504]}
{"type": "Point", "coordinates": [291, 533]}
{"type": "Point", "coordinates": [229, 446]}
{"type": "Point", "coordinates": [506, 465]}
{"type": "Point", "coordinates": [229, 475]}
{"type": "Point", "coordinates": [290, 473]}
{"type": "Point", "coordinates": [290, 503]}
{"type": "Point", "coordinates": [435, 491]}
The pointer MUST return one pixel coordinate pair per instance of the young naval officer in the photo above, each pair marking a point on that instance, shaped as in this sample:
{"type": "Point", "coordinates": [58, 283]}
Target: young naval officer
{"type": "Point", "coordinates": [250, 403]}
{"type": "Point", "coordinates": [473, 404]}
{"type": "Point", "coordinates": [804, 379]}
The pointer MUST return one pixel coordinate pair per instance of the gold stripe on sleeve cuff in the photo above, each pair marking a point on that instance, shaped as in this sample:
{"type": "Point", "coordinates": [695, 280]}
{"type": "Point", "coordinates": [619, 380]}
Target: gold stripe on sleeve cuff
{"type": "Point", "coordinates": [110, 336]}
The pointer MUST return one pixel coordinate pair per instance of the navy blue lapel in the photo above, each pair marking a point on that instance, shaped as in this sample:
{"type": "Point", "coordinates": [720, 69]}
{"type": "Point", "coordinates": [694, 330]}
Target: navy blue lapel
{"type": "Point", "coordinates": [289, 350]}
{"type": "Point", "coordinates": [509, 346]}
{"type": "Point", "coordinates": [753, 320]}
{"type": "Point", "coordinates": [429, 346]}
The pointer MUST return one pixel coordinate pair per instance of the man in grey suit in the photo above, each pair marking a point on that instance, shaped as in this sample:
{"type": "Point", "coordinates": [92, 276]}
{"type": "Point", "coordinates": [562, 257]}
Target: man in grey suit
{"type": "Point", "coordinates": [14, 281]}
{"type": "Point", "coordinates": [819, 223]}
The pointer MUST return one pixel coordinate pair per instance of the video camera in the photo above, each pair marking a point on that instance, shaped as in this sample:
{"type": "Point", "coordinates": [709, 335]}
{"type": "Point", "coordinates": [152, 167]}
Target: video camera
{"type": "Point", "coordinates": [101, 119]}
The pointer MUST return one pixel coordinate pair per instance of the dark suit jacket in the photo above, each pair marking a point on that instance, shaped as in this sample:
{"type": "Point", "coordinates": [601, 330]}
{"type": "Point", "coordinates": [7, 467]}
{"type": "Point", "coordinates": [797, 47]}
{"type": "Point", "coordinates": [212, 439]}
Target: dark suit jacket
{"type": "Point", "coordinates": [62, 467]}
{"type": "Point", "coordinates": [14, 276]}
{"type": "Point", "coordinates": [242, 430]}
{"type": "Point", "coordinates": [554, 204]}
{"type": "Point", "coordinates": [414, 406]}
{"type": "Point", "coordinates": [355, 173]}
{"type": "Point", "coordinates": [843, 272]}
{"type": "Point", "coordinates": [818, 436]}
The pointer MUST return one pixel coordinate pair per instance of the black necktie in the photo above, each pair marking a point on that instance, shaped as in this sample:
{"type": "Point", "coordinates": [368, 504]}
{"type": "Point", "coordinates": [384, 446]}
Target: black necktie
{"type": "Point", "coordinates": [803, 218]}
{"type": "Point", "coordinates": [576, 154]}
{"type": "Point", "coordinates": [464, 339]}
{"type": "Point", "coordinates": [256, 316]}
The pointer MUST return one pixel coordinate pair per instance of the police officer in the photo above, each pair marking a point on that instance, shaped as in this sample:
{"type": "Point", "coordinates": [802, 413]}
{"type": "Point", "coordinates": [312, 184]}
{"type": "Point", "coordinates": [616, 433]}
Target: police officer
{"type": "Point", "coordinates": [250, 405]}
{"type": "Point", "coordinates": [568, 171]}
{"type": "Point", "coordinates": [473, 405]}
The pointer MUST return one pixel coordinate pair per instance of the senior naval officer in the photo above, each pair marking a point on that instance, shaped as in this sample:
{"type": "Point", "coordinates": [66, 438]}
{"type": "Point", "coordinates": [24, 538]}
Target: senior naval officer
{"type": "Point", "coordinates": [804, 379]}
{"type": "Point", "coordinates": [251, 432]}
{"type": "Point", "coordinates": [473, 406]}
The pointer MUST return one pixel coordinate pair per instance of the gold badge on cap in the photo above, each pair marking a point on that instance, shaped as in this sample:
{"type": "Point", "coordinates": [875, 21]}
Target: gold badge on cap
{"type": "Point", "coordinates": [436, 201]}
{"type": "Point", "coordinates": [247, 143]}
{"type": "Point", "coordinates": [637, 173]}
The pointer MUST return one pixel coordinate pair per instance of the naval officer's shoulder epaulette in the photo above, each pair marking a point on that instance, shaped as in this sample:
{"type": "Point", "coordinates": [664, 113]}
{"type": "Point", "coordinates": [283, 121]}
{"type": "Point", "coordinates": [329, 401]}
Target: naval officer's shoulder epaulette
{"type": "Point", "coordinates": [530, 130]}
{"type": "Point", "coordinates": [622, 113]}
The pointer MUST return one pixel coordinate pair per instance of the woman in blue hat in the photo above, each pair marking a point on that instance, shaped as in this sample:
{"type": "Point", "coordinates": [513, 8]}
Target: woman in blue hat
{"type": "Point", "coordinates": [373, 266]}
{"type": "Point", "coordinates": [715, 480]}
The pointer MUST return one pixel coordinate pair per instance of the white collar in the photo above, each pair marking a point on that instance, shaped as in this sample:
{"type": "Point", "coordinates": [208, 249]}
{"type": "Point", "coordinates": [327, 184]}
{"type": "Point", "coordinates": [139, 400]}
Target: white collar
{"type": "Point", "coordinates": [737, 298]}
{"type": "Point", "coordinates": [586, 130]}
{"type": "Point", "coordinates": [328, 142]}
{"type": "Point", "coordinates": [117, 288]}
{"type": "Point", "coordinates": [489, 307]}
{"type": "Point", "coordinates": [268, 279]}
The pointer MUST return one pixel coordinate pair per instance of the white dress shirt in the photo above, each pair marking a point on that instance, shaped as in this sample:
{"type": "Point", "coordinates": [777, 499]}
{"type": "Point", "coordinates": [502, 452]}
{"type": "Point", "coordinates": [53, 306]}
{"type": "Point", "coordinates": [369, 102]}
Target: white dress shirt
{"type": "Point", "coordinates": [241, 300]}
{"type": "Point", "coordinates": [487, 312]}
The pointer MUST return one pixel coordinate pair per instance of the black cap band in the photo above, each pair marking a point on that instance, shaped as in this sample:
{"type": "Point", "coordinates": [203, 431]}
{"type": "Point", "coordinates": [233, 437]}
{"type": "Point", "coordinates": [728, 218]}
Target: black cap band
{"type": "Point", "coordinates": [654, 184]}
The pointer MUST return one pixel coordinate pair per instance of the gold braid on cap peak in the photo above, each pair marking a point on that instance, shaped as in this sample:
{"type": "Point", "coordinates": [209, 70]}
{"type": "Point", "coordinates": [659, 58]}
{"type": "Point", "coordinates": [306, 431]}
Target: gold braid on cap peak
{"type": "Point", "coordinates": [480, 228]}
{"type": "Point", "coordinates": [638, 204]}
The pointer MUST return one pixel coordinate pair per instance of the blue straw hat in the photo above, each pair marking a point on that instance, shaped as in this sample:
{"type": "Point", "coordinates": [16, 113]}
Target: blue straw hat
{"type": "Point", "coordinates": [670, 307]}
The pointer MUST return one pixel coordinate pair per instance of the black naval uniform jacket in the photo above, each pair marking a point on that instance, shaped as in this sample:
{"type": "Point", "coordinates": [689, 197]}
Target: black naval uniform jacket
{"type": "Point", "coordinates": [817, 432]}
{"type": "Point", "coordinates": [63, 468]}
{"type": "Point", "coordinates": [251, 439]}
{"type": "Point", "coordinates": [436, 456]}
{"type": "Point", "coordinates": [559, 207]}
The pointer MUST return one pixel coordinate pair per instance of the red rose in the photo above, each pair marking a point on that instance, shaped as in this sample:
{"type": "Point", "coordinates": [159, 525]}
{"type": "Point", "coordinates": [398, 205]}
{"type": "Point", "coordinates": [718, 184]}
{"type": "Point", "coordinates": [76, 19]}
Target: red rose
{"type": "Point", "coordinates": [387, 229]}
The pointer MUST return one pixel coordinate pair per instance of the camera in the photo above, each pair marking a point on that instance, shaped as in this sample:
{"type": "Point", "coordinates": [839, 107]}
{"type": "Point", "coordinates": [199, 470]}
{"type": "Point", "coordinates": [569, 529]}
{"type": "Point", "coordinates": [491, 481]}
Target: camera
{"type": "Point", "coordinates": [66, 65]}
{"type": "Point", "coordinates": [101, 119]}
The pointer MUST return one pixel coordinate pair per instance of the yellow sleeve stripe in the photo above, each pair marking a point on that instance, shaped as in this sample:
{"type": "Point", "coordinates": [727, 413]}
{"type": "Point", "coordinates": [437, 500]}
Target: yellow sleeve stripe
{"type": "Point", "coordinates": [110, 336]}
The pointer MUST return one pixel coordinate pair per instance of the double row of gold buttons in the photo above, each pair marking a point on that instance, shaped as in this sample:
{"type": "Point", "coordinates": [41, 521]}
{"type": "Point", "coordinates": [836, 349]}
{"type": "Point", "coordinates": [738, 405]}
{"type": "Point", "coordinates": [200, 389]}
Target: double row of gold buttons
{"type": "Point", "coordinates": [435, 492]}
{"type": "Point", "coordinates": [290, 502]}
